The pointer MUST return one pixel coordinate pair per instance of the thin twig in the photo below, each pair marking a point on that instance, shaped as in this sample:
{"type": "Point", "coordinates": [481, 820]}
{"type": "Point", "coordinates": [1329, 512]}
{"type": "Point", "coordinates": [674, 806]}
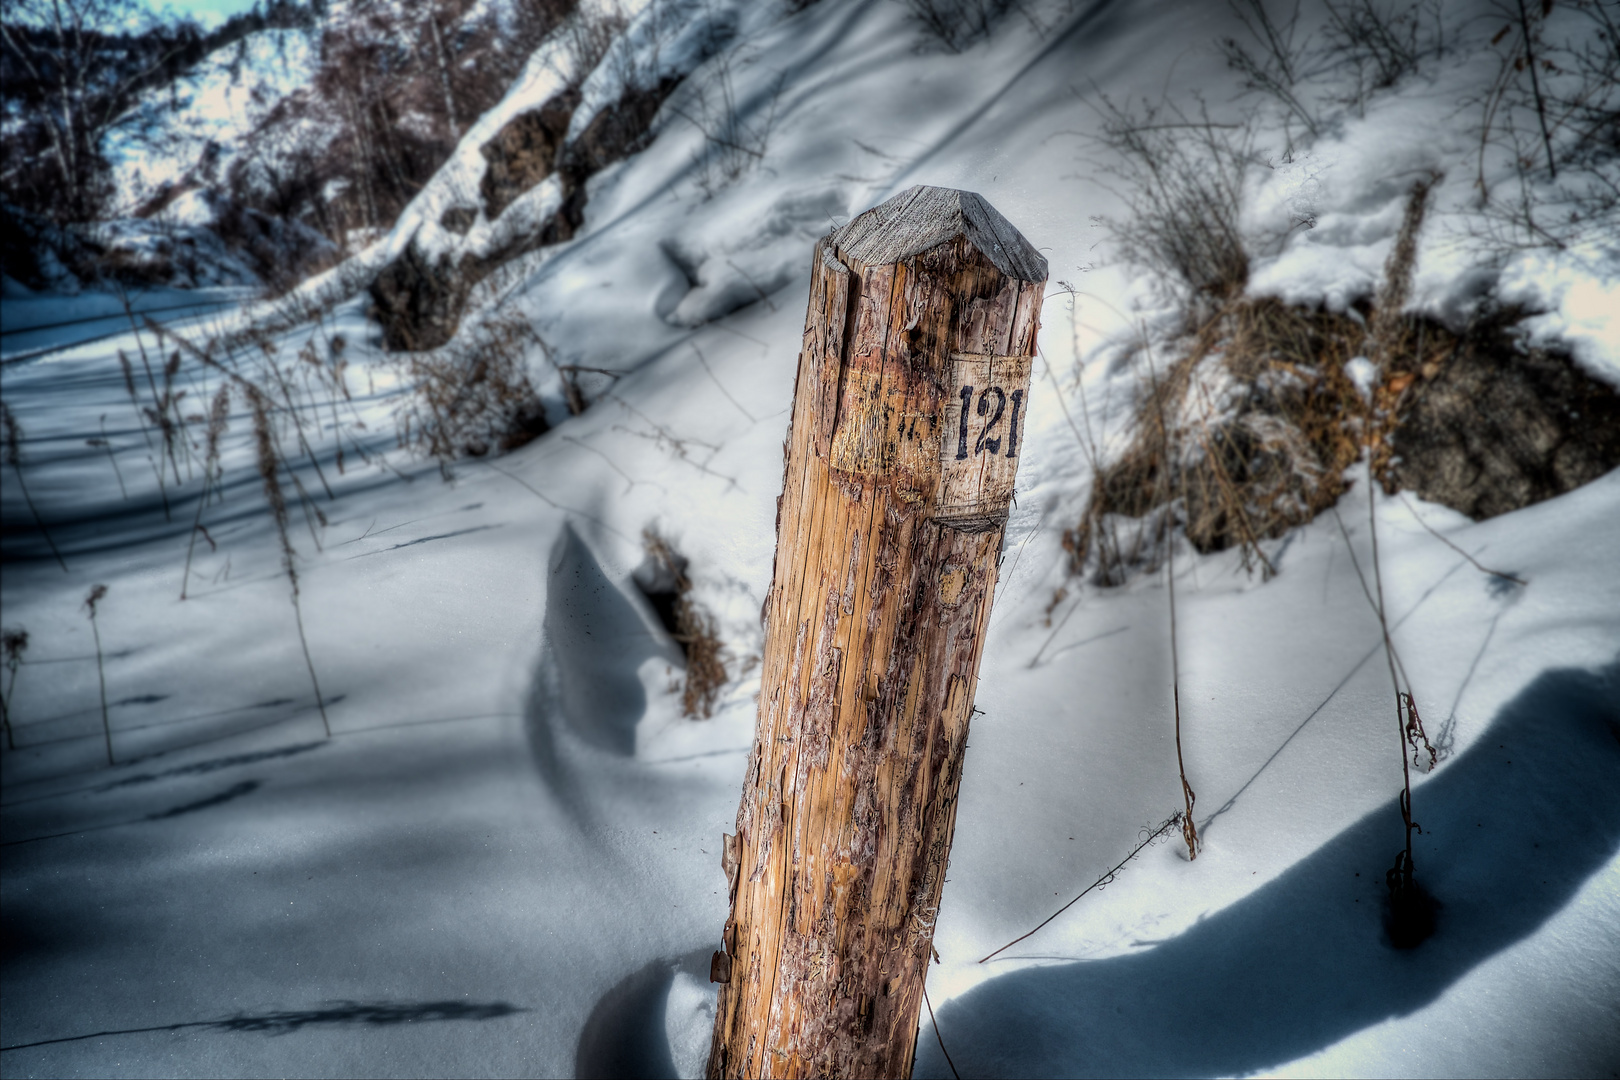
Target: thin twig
{"type": "Point", "coordinates": [1168, 823]}
{"type": "Point", "coordinates": [716, 380]}
{"type": "Point", "coordinates": [1460, 551]}
{"type": "Point", "coordinates": [935, 1024]}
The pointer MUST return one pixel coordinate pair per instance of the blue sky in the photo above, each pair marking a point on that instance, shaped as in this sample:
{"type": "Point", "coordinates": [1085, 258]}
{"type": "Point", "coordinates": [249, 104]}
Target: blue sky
{"type": "Point", "coordinates": [206, 12]}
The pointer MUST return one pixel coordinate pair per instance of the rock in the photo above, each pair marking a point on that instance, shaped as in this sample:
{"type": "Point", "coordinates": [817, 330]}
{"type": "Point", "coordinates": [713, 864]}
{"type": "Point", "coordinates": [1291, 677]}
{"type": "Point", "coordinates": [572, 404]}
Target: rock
{"type": "Point", "coordinates": [1495, 427]}
{"type": "Point", "coordinates": [458, 219]}
{"type": "Point", "coordinates": [419, 300]}
{"type": "Point", "coordinates": [524, 152]}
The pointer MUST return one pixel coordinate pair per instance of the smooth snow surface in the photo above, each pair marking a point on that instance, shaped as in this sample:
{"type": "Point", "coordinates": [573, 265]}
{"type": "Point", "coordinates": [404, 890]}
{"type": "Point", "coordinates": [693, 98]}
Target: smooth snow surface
{"type": "Point", "coordinates": [506, 858]}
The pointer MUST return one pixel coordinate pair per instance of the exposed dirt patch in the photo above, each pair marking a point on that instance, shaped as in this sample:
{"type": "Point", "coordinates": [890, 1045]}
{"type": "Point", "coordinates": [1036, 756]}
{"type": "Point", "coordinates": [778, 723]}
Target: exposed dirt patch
{"type": "Point", "coordinates": [458, 219]}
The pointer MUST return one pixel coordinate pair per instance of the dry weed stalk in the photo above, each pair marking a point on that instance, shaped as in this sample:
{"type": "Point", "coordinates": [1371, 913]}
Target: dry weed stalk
{"type": "Point", "coordinates": [140, 419]}
{"type": "Point", "coordinates": [105, 443]}
{"type": "Point", "coordinates": [269, 464]}
{"type": "Point", "coordinates": [1410, 917]}
{"type": "Point", "coordinates": [94, 597]}
{"type": "Point", "coordinates": [14, 642]}
{"type": "Point", "coordinates": [13, 451]}
{"type": "Point", "coordinates": [218, 419]}
{"type": "Point", "coordinates": [1189, 830]}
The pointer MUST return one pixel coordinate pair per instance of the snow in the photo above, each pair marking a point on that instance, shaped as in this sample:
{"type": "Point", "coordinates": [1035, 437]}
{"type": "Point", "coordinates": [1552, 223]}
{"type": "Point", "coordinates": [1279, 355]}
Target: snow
{"type": "Point", "coordinates": [505, 860]}
{"type": "Point", "coordinates": [219, 104]}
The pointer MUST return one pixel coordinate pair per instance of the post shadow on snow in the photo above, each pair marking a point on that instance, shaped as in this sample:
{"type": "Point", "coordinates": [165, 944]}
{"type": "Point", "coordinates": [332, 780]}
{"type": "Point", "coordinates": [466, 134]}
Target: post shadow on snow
{"type": "Point", "coordinates": [339, 1013]}
{"type": "Point", "coordinates": [585, 687]}
{"type": "Point", "coordinates": [1511, 830]}
{"type": "Point", "coordinates": [625, 1037]}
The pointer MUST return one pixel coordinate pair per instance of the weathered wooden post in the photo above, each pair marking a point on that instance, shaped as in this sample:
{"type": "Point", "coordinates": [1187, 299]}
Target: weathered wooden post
{"type": "Point", "coordinates": [907, 427]}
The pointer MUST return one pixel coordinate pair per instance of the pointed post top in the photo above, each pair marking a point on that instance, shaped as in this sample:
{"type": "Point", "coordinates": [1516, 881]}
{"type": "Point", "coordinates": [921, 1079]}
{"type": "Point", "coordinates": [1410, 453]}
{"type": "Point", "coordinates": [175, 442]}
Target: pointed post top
{"type": "Point", "coordinates": [923, 217]}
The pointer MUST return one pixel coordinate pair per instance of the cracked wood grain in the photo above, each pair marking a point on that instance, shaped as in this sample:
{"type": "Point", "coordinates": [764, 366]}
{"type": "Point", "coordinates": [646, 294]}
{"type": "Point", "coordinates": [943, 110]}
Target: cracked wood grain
{"type": "Point", "coordinates": [901, 455]}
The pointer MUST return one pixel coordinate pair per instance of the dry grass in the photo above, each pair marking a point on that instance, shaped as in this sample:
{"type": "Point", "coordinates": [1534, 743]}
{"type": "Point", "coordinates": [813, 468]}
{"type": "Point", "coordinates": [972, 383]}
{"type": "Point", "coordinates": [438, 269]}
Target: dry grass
{"type": "Point", "coordinates": [1246, 436]}
{"type": "Point", "coordinates": [669, 590]}
{"type": "Point", "coordinates": [1249, 434]}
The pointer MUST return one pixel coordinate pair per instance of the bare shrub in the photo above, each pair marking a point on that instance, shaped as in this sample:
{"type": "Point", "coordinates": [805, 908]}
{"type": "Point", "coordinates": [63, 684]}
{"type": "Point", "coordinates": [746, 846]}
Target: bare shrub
{"type": "Point", "coordinates": [472, 397]}
{"type": "Point", "coordinates": [957, 24]}
{"type": "Point", "coordinates": [1553, 110]}
{"type": "Point", "coordinates": [1181, 175]}
{"type": "Point", "coordinates": [1379, 43]}
{"type": "Point", "coordinates": [736, 134]}
{"type": "Point", "coordinates": [1365, 47]}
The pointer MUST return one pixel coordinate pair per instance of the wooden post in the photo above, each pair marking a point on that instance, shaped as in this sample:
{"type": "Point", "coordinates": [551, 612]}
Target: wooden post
{"type": "Point", "coordinates": [907, 427]}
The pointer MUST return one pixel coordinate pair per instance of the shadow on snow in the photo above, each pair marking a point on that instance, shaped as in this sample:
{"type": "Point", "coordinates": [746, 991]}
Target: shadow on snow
{"type": "Point", "coordinates": [1512, 829]}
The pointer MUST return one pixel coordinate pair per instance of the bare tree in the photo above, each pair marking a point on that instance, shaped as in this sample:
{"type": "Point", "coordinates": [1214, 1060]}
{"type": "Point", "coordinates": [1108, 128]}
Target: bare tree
{"type": "Point", "coordinates": [75, 69]}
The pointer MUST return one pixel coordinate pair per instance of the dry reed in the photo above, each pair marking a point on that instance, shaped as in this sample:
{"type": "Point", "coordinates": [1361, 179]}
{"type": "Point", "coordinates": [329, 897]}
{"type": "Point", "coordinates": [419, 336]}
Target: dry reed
{"type": "Point", "coordinates": [218, 419]}
{"type": "Point", "coordinates": [95, 596]}
{"type": "Point", "coordinates": [269, 465]}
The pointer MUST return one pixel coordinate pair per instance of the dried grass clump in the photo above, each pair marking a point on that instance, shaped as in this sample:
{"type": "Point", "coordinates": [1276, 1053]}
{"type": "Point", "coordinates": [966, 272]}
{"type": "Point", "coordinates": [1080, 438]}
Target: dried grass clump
{"type": "Point", "coordinates": [473, 397]}
{"type": "Point", "coordinates": [664, 582]}
{"type": "Point", "coordinates": [1248, 435]}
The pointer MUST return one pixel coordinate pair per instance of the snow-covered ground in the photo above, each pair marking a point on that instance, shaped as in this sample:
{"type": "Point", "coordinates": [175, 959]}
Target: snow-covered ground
{"type": "Point", "coordinates": [505, 859]}
{"type": "Point", "coordinates": [206, 119]}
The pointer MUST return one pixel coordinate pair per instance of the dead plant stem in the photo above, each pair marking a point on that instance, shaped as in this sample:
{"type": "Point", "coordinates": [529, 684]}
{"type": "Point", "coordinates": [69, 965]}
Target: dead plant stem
{"type": "Point", "coordinates": [1473, 561]}
{"type": "Point", "coordinates": [1189, 831]}
{"type": "Point", "coordinates": [1102, 882]}
{"type": "Point", "coordinates": [937, 1038]}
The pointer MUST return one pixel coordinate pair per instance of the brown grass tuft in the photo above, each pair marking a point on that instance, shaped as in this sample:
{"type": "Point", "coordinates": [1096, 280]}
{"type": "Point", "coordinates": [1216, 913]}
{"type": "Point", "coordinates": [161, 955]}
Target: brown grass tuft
{"type": "Point", "coordinates": [696, 631]}
{"type": "Point", "coordinates": [1261, 422]}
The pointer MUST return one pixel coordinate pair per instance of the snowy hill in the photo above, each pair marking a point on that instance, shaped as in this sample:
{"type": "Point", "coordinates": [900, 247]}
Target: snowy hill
{"type": "Point", "coordinates": [489, 842]}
